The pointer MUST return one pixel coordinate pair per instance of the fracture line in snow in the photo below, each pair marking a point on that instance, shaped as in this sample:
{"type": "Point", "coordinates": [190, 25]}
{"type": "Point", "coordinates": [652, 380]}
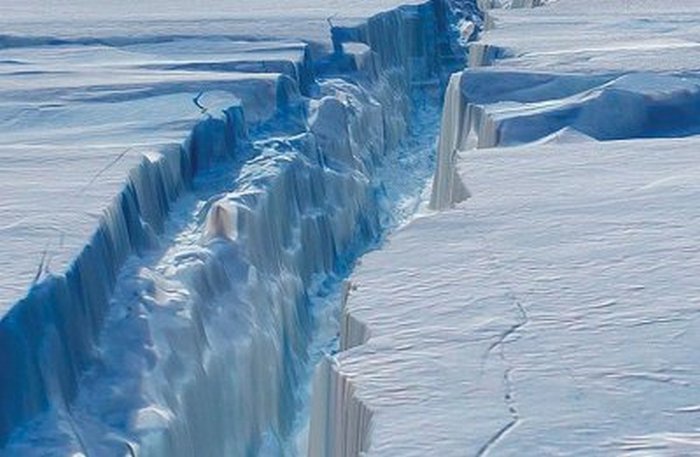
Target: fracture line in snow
{"type": "Point", "coordinates": [508, 395]}
{"type": "Point", "coordinates": [486, 448]}
{"type": "Point", "coordinates": [198, 104]}
{"type": "Point", "coordinates": [511, 404]}
{"type": "Point", "coordinates": [112, 163]}
{"type": "Point", "coordinates": [507, 333]}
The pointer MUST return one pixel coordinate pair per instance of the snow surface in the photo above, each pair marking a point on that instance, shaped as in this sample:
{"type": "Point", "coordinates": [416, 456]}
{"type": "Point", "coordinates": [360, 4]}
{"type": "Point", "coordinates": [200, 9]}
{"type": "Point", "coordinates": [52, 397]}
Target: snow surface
{"type": "Point", "coordinates": [180, 191]}
{"type": "Point", "coordinates": [598, 36]}
{"type": "Point", "coordinates": [551, 308]}
{"type": "Point", "coordinates": [557, 315]}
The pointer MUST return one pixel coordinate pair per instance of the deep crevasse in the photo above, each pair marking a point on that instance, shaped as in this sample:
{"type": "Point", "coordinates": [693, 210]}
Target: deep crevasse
{"type": "Point", "coordinates": [198, 345]}
{"type": "Point", "coordinates": [341, 423]}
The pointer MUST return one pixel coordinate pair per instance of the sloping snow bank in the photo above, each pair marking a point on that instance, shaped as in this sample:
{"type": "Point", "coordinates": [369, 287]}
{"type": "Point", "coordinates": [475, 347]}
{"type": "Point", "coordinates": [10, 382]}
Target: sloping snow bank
{"type": "Point", "coordinates": [196, 345]}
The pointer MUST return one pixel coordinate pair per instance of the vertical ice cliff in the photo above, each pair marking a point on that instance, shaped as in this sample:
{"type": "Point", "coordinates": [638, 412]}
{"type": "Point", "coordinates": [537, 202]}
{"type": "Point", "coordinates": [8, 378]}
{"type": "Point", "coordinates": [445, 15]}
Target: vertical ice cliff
{"type": "Point", "coordinates": [466, 124]}
{"type": "Point", "coordinates": [183, 327]}
{"type": "Point", "coordinates": [341, 423]}
{"type": "Point", "coordinates": [448, 187]}
{"type": "Point", "coordinates": [50, 337]}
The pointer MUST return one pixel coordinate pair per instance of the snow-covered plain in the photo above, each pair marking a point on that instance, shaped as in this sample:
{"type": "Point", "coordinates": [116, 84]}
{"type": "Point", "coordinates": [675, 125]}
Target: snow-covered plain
{"type": "Point", "coordinates": [180, 186]}
{"type": "Point", "coordinates": [551, 307]}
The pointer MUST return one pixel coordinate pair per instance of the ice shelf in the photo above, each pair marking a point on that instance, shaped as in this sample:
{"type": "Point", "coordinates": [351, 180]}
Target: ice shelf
{"type": "Point", "coordinates": [550, 307]}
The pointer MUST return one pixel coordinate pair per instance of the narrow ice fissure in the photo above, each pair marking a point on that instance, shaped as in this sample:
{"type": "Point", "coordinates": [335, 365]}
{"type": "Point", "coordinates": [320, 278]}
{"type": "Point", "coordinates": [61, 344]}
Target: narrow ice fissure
{"type": "Point", "coordinates": [509, 395]}
{"type": "Point", "coordinates": [168, 292]}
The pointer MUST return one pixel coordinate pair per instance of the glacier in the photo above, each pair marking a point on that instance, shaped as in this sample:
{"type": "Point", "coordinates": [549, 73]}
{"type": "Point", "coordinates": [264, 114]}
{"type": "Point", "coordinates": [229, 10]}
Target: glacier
{"type": "Point", "coordinates": [543, 300]}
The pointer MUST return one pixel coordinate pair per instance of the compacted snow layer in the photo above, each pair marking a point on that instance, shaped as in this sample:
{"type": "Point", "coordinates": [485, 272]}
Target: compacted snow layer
{"type": "Point", "coordinates": [550, 310]}
{"type": "Point", "coordinates": [196, 192]}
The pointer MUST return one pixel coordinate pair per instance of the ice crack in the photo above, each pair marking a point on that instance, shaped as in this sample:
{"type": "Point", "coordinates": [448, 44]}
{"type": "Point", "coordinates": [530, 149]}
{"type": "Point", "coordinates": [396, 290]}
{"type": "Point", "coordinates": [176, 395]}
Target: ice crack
{"type": "Point", "coordinates": [508, 388]}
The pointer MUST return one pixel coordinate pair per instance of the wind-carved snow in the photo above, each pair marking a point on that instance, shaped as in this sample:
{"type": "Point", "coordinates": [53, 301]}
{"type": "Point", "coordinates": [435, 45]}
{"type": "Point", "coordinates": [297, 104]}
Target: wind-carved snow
{"type": "Point", "coordinates": [186, 325]}
{"type": "Point", "coordinates": [552, 312]}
